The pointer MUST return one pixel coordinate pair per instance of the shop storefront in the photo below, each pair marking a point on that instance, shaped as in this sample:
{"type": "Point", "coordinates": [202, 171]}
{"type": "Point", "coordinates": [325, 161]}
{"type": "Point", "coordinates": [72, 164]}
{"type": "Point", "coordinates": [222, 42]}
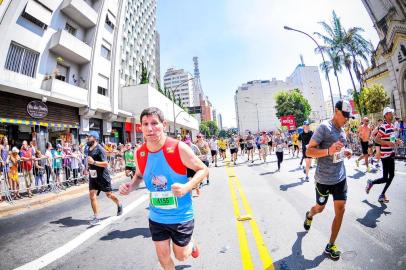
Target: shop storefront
{"type": "Point", "coordinates": [117, 133]}
{"type": "Point", "coordinates": [24, 118]}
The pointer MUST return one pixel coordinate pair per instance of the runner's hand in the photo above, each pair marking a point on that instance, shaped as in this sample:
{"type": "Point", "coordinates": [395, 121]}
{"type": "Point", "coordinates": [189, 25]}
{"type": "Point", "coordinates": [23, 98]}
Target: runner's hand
{"type": "Point", "coordinates": [125, 189]}
{"type": "Point", "coordinates": [90, 160]}
{"type": "Point", "coordinates": [335, 147]}
{"type": "Point", "coordinates": [348, 153]}
{"type": "Point", "coordinates": [178, 189]}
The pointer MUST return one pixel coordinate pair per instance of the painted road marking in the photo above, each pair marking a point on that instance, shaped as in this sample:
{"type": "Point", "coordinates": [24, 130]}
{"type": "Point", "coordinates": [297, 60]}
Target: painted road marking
{"type": "Point", "coordinates": [259, 241]}
{"type": "Point", "coordinates": [80, 239]}
{"type": "Point", "coordinates": [242, 234]}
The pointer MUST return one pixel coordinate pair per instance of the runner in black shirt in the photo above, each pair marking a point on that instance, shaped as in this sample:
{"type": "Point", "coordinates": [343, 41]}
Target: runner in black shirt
{"type": "Point", "coordinates": [305, 138]}
{"type": "Point", "coordinates": [99, 177]}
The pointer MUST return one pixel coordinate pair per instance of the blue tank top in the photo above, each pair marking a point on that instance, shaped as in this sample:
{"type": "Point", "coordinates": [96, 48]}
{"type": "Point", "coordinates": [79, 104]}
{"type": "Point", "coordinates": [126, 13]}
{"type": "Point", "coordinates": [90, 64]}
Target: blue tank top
{"type": "Point", "coordinates": [159, 177]}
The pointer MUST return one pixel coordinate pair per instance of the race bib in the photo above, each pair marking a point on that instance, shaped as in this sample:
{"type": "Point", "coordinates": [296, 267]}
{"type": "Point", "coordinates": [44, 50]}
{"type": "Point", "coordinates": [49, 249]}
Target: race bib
{"type": "Point", "coordinates": [339, 156]}
{"type": "Point", "coordinates": [163, 200]}
{"type": "Point", "coordinates": [93, 173]}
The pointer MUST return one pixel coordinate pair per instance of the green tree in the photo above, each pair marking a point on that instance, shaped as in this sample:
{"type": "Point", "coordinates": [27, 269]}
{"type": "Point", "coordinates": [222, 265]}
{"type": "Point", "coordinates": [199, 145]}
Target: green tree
{"type": "Point", "coordinates": [144, 74]}
{"type": "Point", "coordinates": [158, 85]}
{"type": "Point", "coordinates": [209, 128]}
{"type": "Point", "coordinates": [349, 44]}
{"type": "Point", "coordinates": [204, 129]}
{"type": "Point", "coordinates": [223, 134]}
{"type": "Point", "coordinates": [374, 98]}
{"type": "Point", "coordinates": [292, 103]}
{"type": "Point", "coordinates": [334, 63]}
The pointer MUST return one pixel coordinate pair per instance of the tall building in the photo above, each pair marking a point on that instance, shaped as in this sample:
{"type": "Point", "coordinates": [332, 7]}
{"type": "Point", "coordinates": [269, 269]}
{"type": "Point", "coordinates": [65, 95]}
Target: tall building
{"type": "Point", "coordinates": [220, 121]}
{"type": "Point", "coordinates": [198, 93]}
{"type": "Point", "coordinates": [307, 79]}
{"type": "Point", "coordinates": [255, 102]}
{"type": "Point", "coordinates": [63, 64]}
{"type": "Point", "coordinates": [389, 58]}
{"type": "Point", "coordinates": [157, 57]}
{"type": "Point", "coordinates": [180, 82]}
{"type": "Point", "coordinates": [139, 38]}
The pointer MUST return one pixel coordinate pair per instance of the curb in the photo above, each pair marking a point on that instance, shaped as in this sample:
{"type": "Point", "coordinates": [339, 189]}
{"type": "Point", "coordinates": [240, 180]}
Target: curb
{"type": "Point", "coordinates": [39, 200]}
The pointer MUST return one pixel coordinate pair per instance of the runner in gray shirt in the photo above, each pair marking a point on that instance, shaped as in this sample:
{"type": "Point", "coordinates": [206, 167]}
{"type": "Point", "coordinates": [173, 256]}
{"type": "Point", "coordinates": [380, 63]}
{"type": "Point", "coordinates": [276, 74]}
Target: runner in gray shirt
{"type": "Point", "coordinates": [328, 146]}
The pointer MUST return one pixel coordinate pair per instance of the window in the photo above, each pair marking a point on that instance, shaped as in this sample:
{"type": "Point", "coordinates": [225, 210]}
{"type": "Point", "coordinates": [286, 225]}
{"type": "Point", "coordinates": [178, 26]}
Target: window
{"type": "Point", "coordinates": [109, 23]}
{"type": "Point", "coordinates": [105, 52]}
{"type": "Point", "coordinates": [103, 86]}
{"type": "Point", "coordinates": [70, 29]}
{"type": "Point", "coordinates": [21, 60]}
{"type": "Point", "coordinates": [33, 20]}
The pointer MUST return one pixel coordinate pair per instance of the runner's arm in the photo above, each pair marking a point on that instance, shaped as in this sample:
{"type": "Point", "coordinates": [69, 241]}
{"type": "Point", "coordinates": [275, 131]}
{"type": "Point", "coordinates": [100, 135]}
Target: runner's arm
{"type": "Point", "coordinates": [191, 161]}
{"type": "Point", "coordinates": [378, 140]}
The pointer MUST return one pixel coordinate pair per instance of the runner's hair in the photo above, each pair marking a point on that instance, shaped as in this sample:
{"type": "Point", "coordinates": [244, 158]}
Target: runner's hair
{"type": "Point", "coordinates": [152, 111]}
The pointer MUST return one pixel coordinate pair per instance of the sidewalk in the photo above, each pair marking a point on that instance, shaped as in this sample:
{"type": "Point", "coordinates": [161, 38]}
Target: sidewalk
{"type": "Point", "coordinates": [45, 199]}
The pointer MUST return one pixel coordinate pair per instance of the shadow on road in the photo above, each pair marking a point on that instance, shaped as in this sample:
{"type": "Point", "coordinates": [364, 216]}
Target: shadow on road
{"type": "Point", "coordinates": [357, 175]}
{"type": "Point", "coordinates": [266, 173]}
{"type": "Point", "coordinates": [71, 222]}
{"type": "Point", "coordinates": [296, 260]}
{"type": "Point", "coordinates": [291, 185]}
{"type": "Point", "coordinates": [371, 217]}
{"type": "Point", "coordinates": [181, 267]}
{"type": "Point", "coordinates": [127, 234]}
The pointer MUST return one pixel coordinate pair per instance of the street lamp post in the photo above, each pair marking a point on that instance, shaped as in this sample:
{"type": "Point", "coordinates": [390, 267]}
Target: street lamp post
{"type": "Point", "coordinates": [173, 102]}
{"type": "Point", "coordinates": [322, 55]}
{"type": "Point", "coordinates": [256, 106]}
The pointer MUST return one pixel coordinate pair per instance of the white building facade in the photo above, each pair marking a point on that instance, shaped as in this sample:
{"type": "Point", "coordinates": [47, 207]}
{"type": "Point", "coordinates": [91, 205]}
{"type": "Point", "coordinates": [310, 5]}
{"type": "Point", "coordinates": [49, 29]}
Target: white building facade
{"type": "Point", "coordinates": [389, 58]}
{"type": "Point", "coordinates": [66, 56]}
{"type": "Point", "coordinates": [255, 100]}
{"type": "Point", "coordinates": [139, 41]}
{"type": "Point", "coordinates": [181, 83]}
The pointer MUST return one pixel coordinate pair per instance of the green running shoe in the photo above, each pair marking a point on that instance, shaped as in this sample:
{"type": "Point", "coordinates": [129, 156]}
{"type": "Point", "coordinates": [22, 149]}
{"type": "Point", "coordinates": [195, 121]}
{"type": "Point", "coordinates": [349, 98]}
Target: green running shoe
{"type": "Point", "coordinates": [307, 222]}
{"type": "Point", "coordinates": [332, 251]}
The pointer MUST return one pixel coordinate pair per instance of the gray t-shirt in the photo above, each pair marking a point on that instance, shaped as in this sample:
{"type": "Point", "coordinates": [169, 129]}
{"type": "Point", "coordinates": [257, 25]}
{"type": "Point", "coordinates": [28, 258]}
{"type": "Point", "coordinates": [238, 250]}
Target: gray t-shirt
{"type": "Point", "coordinates": [327, 172]}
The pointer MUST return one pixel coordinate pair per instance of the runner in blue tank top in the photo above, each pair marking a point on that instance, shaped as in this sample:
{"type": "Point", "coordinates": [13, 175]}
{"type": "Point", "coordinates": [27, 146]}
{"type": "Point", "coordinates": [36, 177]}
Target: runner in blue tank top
{"type": "Point", "coordinates": [162, 163]}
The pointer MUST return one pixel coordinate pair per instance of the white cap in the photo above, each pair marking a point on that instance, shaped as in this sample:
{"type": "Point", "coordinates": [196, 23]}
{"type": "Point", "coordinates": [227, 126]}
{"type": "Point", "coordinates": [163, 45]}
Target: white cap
{"type": "Point", "coordinates": [387, 110]}
{"type": "Point", "coordinates": [15, 150]}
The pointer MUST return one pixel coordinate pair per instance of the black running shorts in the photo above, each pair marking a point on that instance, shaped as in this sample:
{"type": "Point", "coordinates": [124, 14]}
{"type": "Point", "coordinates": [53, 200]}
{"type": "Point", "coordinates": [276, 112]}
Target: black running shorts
{"type": "Point", "coordinates": [233, 150]}
{"type": "Point", "coordinates": [213, 152]}
{"type": "Point", "coordinates": [339, 192]}
{"type": "Point", "coordinates": [180, 233]}
{"type": "Point", "coordinates": [364, 146]}
{"type": "Point", "coordinates": [100, 185]}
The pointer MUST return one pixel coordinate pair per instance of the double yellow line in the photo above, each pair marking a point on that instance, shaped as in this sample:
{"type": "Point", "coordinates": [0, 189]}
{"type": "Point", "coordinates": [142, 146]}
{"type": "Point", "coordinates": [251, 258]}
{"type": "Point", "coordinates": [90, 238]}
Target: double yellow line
{"type": "Point", "coordinates": [246, 257]}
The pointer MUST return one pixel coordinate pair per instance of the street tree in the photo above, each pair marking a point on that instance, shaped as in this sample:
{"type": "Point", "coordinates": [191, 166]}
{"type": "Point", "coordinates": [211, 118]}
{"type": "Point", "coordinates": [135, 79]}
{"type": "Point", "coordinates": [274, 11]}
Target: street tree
{"type": "Point", "coordinates": [374, 98]}
{"type": "Point", "coordinates": [292, 102]}
{"type": "Point", "coordinates": [209, 128]}
{"type": "Point", "coordinates": [351, 46]}
{"type": "Point", "coordinates": [144, 74]}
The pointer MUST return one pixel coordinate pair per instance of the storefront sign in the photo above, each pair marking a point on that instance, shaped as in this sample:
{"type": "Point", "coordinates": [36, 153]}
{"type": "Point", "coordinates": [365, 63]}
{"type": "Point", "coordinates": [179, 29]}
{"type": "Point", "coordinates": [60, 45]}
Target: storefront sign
{"type": "Point", "coordinates": [288, 121]}
{"type": "Point", "coordinates": [37, 109]}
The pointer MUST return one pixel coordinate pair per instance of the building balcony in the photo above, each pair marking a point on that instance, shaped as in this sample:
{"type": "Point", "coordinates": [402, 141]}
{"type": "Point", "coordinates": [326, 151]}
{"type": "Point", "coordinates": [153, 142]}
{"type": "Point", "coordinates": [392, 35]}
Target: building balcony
{"type": "Point", "coordinates": [69, 94]}
{"type": "Point", "coordinates": [68, 46]}
{"type": "Point", "coordinates": [80, 12]}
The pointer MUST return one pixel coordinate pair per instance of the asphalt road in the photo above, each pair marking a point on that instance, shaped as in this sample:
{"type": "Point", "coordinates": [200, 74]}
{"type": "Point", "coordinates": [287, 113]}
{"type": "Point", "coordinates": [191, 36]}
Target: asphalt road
{"type": "Point", "coordinates": [373, 236]}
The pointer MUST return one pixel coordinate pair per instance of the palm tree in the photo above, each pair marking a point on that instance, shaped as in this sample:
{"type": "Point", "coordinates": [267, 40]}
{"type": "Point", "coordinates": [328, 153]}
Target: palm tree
{"type": "Point", "coordinates": [348, 44]}
{"type": "Point", "coordinates": [335, 64]}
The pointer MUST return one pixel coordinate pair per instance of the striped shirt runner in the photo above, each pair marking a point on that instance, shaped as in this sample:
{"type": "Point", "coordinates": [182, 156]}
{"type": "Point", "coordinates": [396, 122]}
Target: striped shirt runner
{"type": "Point", "coordinates": [386, 130]}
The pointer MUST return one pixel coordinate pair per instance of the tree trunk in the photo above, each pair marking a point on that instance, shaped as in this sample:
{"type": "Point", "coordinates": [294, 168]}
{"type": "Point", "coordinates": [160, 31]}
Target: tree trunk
{"type": "Point", "coordinates": [352, 79]}
{"type": "Point", "coordinates": [338, 83]}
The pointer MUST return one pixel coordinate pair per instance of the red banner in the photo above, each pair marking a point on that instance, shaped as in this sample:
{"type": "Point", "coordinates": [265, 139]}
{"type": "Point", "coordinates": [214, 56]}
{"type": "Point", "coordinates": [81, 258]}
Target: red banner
{"type": "Point", "coordinates": [129, 127]}
{"type": "Point", "coordinates": [288, 121]}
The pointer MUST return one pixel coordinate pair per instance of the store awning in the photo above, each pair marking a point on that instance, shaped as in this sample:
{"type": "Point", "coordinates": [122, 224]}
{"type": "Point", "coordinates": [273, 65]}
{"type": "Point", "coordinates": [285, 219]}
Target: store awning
{"type": "Point", "coordinates": [36, 123]}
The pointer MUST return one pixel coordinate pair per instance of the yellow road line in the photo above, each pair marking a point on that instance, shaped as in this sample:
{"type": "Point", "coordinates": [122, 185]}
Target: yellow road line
{"type": "Point", "coordinates": [259, 241]}
{"type": "Point", "coordinates": [242, 235]}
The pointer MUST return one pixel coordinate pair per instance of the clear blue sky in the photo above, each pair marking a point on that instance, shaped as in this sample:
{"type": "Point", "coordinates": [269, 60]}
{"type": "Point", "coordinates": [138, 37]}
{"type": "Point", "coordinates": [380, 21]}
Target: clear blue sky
{"type": "Point", "coordinates": [240, 40]}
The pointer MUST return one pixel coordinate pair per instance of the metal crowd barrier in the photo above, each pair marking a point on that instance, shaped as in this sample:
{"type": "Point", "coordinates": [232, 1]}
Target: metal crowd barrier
{"type": "Point", "coordinates": [7, 192]}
